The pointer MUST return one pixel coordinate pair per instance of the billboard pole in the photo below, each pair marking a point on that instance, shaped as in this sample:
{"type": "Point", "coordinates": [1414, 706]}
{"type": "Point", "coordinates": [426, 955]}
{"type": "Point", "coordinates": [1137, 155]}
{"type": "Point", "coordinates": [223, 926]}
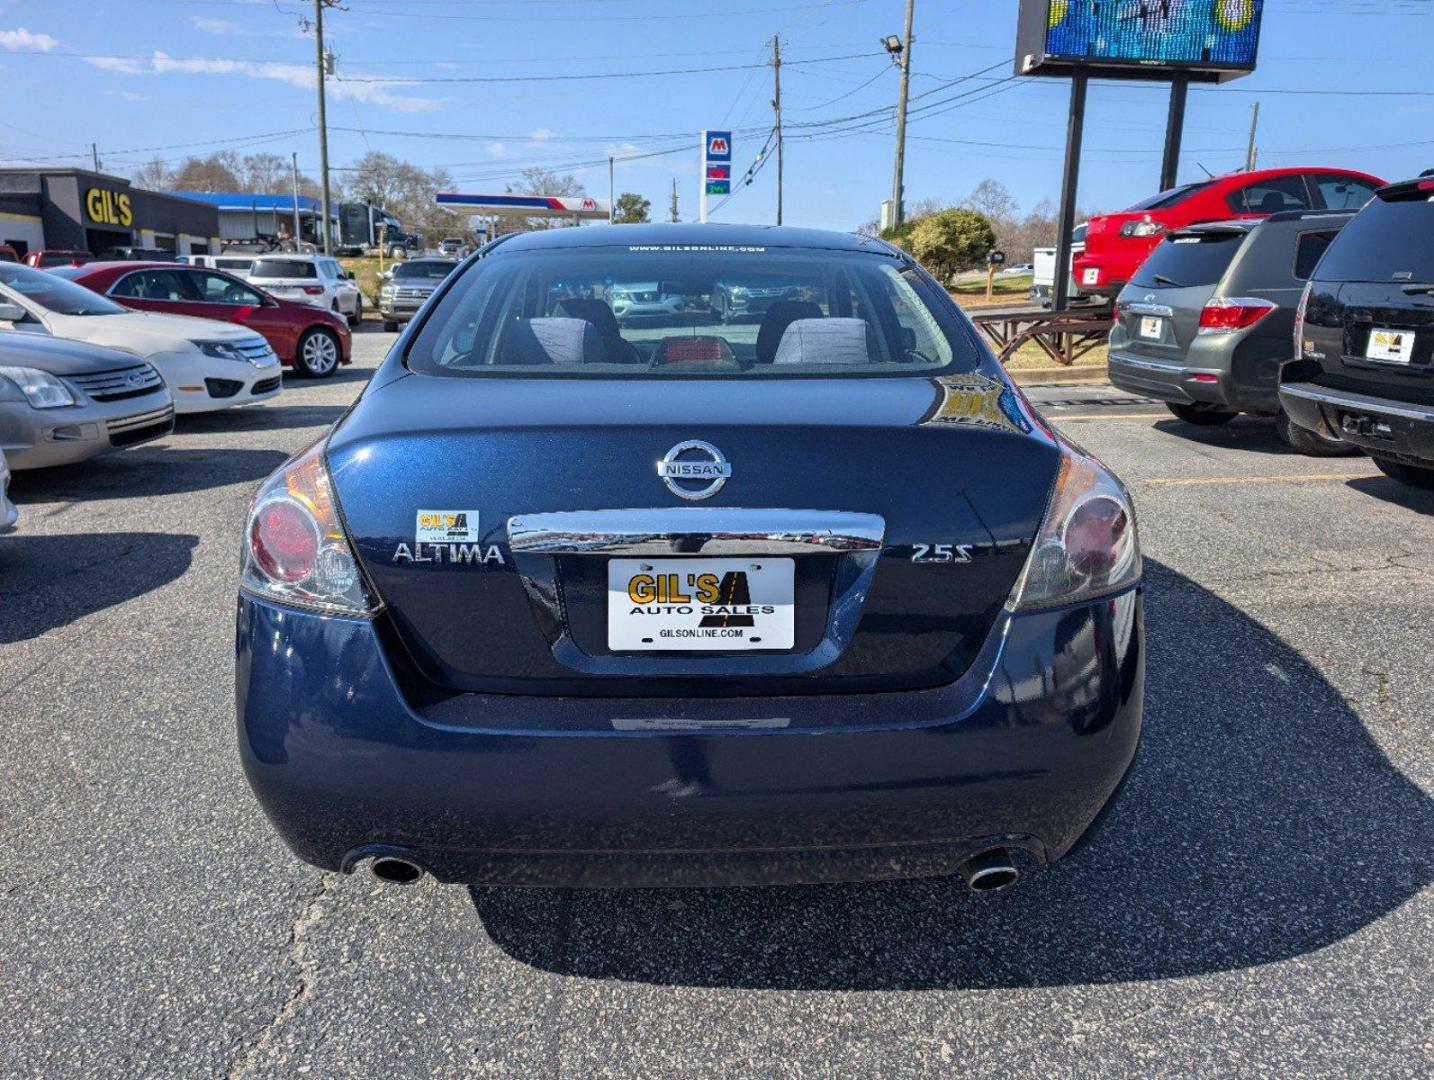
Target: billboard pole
{"type": "Point", "coordinates": [1075, 128]}
{"type": "Point", "coordinates": [1174, 128]}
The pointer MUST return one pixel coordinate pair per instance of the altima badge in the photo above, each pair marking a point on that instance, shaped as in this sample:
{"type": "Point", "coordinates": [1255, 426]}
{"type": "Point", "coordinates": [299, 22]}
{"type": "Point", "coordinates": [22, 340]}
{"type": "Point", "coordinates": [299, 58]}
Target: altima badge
{"type": "Point", "coordinates": [694, 461]}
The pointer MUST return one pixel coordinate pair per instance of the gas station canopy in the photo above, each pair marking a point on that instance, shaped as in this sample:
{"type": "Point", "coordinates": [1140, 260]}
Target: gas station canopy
{"type": "Point", "coordinates": [578, 207]}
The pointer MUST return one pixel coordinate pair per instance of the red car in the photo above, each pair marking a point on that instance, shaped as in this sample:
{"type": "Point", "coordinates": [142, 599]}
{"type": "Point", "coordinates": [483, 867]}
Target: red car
{"type": "Point", "coordinates": [1116, 244]}
{"type": "Point", "coordinates": [310, 339]}
{"type": "Point", "coordinates": [46, 258]}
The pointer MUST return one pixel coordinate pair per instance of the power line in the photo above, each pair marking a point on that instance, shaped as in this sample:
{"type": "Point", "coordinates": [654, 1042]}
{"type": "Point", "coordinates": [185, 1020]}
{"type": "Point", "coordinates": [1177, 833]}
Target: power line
{"type": "Point", "coordinates": [405, 80]}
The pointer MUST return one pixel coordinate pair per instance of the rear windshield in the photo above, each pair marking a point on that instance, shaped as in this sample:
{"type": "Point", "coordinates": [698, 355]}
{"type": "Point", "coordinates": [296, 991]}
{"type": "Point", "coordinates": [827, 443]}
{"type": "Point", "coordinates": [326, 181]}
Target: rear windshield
{"type": "Point", "coordinates": [1190, 259]}
{"type": "Point", "coordinates": [283, 268]}
{"type": "Point", "coordinates": [688, 311]}
{"type": "Point", "coordinates": [233, 264]}
{"type": "Point", "coordinates": [423, 270]}
{"type": "Point", "coordinates": [1165, 199]}
{"type": "Point", "coordinates": [1386, 241]}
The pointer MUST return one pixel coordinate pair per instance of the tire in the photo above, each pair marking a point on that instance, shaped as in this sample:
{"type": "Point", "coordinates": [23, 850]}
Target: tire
{"type": "Point", "coordinates": [1412, 475]}
{"type": "Point", "coordinates": [318, 353]}
{"type": "Point", "coordinates": [1201, 415]}
{"type": "Point", "coordinates": [390, 328]}
{"type": "Point", "coordinates": [1310, 442]}
{"type": "Point", "coordinates": [357, 316]}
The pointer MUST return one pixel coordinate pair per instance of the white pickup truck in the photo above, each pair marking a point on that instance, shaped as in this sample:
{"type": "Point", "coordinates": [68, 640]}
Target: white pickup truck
{"type": "Point", "coordinates": [1043, 284]}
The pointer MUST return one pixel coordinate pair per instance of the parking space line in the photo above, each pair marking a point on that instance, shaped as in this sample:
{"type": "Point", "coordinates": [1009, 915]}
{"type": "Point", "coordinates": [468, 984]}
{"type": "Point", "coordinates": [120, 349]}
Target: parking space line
{"type": "Point", "coordinates": [1306, 478]}
{"type": "Point", "coordinates": [1058, 418]}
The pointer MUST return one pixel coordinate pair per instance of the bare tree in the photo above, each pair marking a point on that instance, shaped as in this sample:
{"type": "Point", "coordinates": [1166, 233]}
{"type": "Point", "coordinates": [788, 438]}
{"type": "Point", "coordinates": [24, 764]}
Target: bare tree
{"type": "Point", "coordinates": [217, 172]}
{"type": "Point", "coordinates": [539, 181]}
{"type": "Point", "coordinates": [153, 176]}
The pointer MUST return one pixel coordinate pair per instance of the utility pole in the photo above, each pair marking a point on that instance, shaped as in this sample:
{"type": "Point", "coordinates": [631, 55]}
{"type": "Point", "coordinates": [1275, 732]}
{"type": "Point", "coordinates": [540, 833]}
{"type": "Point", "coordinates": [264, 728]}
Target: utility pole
{"type": "Point", "coordinates": [1250, 149]}
{"type": "Point", "coordinates": [95, 156]}
{"type": "Point", "coordinates": [323, 63]}
{"type": "Point", "coordinates": [673, 209]}
{"type": "Point", "coordinates": [611, 205]}
{"type": "Point", "coordinates": [898, 187]}
{"type": "Point", "coordinates": [298, 234]}
{"type": "Point", "coordinates": [777, 111]}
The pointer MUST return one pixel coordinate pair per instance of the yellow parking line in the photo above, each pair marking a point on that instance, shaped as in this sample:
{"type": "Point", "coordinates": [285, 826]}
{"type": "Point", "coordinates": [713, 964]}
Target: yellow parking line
{"type": "Point", "coordinates": [1293, 478]}
{"type": "Point", "coordinates": [1058, 418]}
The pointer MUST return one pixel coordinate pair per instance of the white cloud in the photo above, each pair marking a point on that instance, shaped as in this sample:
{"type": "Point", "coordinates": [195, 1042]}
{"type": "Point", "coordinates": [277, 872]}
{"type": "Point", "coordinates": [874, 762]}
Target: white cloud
{"type": "Point", "coordinates": [216, 26]}
{"type": "Point", "coordinates": [499, 150]}
{"type": "Point", "coordinates": [21, 40]}
{"type": "Point", "coordinates": [541, 134]}
{"type": "Point", "coordinates": [126, 95]}
{"type": "Point", "coordinates": [300, 76]}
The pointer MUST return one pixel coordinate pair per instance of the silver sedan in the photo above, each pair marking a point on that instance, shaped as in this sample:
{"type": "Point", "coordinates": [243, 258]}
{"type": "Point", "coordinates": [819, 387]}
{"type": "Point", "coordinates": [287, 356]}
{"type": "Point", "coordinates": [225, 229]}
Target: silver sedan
{"type": "Point", "coordinates": [64, 401]}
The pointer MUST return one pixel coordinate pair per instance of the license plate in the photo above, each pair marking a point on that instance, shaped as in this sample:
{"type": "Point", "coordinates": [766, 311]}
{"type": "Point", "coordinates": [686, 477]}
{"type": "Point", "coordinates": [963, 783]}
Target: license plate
{"type": "Point", "coordinates": [1090, 277]}
{"type": "Point", "coordinates": [1152, 328]}
{"type": "Point", "coordinates": [1393, 346]}
{"type": "Point", "coordinates": [694, 605]}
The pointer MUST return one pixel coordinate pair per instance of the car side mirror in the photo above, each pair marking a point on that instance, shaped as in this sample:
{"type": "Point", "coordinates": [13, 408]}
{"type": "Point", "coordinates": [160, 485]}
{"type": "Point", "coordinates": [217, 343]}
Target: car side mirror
{"type": "Point", "coordinates": [11, 312]}
{"type": "Point", "coordinates": [349, 274]}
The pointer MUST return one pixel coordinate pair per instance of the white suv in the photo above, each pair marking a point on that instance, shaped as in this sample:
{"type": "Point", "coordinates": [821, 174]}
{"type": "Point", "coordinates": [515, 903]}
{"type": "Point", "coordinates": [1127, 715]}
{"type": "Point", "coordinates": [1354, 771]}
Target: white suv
{"type": "Point", "coordinates": [309, 279]}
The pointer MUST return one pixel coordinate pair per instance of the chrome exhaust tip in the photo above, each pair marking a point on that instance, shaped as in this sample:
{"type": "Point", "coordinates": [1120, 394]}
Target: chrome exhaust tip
{"type": "Point", "coordinates": [394, 870]}
{"type": "Point", "coordinates": [990, 871]}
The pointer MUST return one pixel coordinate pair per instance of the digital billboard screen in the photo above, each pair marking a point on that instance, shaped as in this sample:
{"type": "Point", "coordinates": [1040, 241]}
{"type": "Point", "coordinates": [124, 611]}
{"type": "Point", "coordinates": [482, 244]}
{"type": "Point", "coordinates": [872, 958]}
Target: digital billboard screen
{"type": "Point", "coordinates": [1216, 38]}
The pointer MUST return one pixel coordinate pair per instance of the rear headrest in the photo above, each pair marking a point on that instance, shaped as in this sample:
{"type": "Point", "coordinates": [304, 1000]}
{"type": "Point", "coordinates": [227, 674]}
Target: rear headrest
{"type": "Point", "coordinates": [774, 324]}
{"type": "Point", "coordinates": [823, 341]}
{"type": "Point", "coordinates": [552, 341]}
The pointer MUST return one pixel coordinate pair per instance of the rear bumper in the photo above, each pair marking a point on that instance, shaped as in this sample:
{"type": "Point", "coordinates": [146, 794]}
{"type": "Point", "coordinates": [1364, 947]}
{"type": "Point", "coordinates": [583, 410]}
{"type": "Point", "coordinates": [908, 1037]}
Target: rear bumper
{"type": "Point", "coordinates": [1022, 751]}
{"type": "Point", "coordinates": [1394, 429]}
{"type": "Point", "coordinates": [1105, 273]}
{"type": "Point", "coordinates": [1170, 382]}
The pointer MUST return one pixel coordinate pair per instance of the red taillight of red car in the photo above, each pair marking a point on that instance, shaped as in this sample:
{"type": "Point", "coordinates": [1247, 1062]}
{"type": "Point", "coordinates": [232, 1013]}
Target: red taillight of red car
{"type": "Point", "coordinates": [314, 290]}
{"type": "Point", "coordinates": [1145, 229]}
{"type": "Point", "coordinates": [1226, 315]}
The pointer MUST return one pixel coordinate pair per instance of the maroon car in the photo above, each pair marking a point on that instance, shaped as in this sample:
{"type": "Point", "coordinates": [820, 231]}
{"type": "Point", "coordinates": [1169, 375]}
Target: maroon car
{"type": "Point", "coordinates": [310, 339]}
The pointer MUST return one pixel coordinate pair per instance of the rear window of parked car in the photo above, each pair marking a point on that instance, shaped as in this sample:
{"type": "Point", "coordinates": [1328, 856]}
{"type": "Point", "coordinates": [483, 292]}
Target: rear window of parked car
{"type": "Point", "coordinates": [1188, 259]}
{"type": "Point", "coordinates": [1389, 240]}
{"type": "Point", "coordinates": [1270, 196]}
{"type": "Point", "coordinates": [806, 312]}
{"type": "Point", "coordinates": [1308, 249]}
{"type": "Point", "coordinates": [283, 268]}
{"type": "Point", "coordinates": [1165, 199]}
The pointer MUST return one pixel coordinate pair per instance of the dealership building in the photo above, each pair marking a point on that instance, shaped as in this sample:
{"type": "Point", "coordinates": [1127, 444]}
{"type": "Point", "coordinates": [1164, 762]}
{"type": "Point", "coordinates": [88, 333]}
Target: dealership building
{"type": "Point", "coordinates": [79, 209]}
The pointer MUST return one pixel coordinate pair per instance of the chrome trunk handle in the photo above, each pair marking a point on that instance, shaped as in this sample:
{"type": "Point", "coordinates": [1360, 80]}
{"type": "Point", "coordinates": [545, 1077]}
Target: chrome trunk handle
{"type": "Point", "coordinates": [692, 530]}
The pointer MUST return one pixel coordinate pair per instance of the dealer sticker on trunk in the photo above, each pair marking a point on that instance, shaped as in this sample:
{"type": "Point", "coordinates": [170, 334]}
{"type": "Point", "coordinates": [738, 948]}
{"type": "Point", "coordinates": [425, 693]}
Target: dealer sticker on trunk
{"type": "Point", "coordinates": [700, 604]}
{"type": "Point", "coordinates": [446, 527]}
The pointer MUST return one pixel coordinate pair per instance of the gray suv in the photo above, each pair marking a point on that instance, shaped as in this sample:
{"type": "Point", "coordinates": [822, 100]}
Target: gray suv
{"type": "Point", "coordinates": [1208, 319]}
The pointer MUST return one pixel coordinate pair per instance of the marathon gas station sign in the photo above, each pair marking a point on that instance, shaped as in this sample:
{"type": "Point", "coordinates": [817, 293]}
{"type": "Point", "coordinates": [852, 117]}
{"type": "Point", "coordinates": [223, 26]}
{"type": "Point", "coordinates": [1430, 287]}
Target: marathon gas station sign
{"type": "Point", "coordinates": [716, 166]}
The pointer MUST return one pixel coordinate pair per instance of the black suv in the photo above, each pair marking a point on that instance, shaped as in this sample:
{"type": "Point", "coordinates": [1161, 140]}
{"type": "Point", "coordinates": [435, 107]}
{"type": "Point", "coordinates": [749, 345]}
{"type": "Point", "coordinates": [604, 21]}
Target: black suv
{"type": "Point", "coordinates": [1364, 348]}
{"type": "Point", "coordinates": [1206, 321]}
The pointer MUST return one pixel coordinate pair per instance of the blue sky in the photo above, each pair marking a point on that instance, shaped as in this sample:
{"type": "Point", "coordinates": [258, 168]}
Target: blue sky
{"type": "Point", "coordinates": [190, 76]}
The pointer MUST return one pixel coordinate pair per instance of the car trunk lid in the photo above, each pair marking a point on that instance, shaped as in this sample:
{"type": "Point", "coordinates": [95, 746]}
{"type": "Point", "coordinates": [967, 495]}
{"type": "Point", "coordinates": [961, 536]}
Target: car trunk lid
{"type": "Point", "coordinates": [1160, 310]}
{"type": "Point", "coordinates": [900, 510]}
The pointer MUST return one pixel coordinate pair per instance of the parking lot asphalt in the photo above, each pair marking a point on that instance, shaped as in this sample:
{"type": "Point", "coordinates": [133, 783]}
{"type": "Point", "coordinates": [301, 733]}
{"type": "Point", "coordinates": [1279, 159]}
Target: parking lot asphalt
{"type": "Point", "coordinates": [1258, 902]}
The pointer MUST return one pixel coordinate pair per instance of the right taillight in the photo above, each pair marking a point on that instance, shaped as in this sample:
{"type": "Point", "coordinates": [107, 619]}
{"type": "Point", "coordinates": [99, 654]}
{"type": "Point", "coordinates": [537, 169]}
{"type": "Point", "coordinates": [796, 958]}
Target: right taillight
{"type": "Point", "coordinates": [1087, 546]}
{"type": "Point", "coordinates": [295, 547]}
{"type": "Point", "coordinates": [1225, 315]}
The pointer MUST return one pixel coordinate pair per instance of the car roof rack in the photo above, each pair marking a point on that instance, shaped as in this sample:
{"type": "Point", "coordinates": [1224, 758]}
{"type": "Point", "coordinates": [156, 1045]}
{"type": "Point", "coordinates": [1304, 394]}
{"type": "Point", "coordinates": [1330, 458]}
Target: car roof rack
{"type": "Point", "coordinates": [1301, 215]}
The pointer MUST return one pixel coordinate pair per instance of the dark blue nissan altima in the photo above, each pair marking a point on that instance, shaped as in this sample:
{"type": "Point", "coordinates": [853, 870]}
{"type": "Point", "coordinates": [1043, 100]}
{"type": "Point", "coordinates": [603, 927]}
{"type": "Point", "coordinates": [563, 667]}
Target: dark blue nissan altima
{"type": "Point", "coordinates": [807, 594]}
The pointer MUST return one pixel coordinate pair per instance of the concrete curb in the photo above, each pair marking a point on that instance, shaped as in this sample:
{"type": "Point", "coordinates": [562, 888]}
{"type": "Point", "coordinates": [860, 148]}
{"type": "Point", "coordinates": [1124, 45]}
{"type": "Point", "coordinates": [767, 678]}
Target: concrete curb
{"type": "Point", "coordinates": [1056, 375]}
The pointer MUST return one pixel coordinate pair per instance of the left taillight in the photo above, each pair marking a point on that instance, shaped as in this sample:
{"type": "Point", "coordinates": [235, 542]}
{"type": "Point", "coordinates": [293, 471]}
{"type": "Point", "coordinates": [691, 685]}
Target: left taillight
{"type": "Point", "coordinates": [1146, 228]}
{"type": "Point", "coordinates": [295, 548]}
{"type": "Point", "coordinates": [1225, 315]}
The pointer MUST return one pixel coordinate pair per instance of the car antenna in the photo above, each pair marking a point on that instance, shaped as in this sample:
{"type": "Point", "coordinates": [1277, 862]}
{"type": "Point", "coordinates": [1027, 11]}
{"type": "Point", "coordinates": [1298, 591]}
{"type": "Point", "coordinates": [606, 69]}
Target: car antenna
{"type": "Point", "coordinates": [1206, 171]}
